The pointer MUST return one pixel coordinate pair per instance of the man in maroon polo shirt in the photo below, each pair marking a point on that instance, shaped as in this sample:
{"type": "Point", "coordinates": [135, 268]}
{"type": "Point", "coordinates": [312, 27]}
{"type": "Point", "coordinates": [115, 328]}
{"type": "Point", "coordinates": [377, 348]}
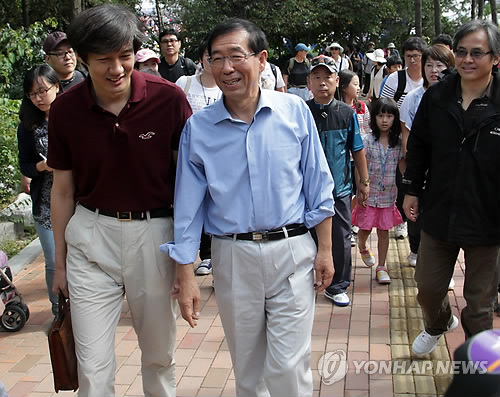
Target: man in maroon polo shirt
{"type": "Point", "coordinates": [113, 142]}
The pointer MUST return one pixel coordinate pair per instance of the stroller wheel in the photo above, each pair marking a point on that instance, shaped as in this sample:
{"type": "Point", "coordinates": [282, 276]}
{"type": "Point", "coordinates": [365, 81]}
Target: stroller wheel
{"type": "Point", "coordinates": [23, 307]}
{"type": "Point", "coordinates": [13, 318]}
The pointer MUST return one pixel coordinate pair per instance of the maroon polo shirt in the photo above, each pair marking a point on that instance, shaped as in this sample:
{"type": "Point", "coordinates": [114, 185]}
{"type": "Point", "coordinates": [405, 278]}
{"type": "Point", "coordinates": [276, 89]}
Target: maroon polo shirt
{"type": "Point", "coordinates": [123, 162]}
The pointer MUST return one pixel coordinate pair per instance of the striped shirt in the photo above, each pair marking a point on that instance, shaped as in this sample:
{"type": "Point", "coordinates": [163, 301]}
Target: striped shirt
{"type": "Point", "coordinates": [391, 86]}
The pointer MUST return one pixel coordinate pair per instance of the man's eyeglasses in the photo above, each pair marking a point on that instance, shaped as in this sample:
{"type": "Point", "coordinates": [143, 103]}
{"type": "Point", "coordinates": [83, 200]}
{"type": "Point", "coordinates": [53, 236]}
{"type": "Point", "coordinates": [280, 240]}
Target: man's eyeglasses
{"type": "Point", "coordinates": [219, 61]}
{"type": "Point", "coordinates": [476, 54]}
{"type": "Point", "coordinates": [169, 41]}
{"type": "Point", "coordinates": [62, 54]}
{"type": "Point", "coordinates": [42, 93]}
{"type": "Point", "coordinates": [414, 56]}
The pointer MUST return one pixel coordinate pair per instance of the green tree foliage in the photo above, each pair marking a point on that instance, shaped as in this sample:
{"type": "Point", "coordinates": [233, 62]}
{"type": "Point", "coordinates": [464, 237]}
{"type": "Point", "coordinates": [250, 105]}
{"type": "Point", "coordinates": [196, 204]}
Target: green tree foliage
{"type": "Point", "coordinates": [11, 11]}
{"type": "Point", "coordinates": [9, 171]}
{"type": "Point", "coordinates": [316, 21]}
{"type": "Point", "coordinates": [20, 49]}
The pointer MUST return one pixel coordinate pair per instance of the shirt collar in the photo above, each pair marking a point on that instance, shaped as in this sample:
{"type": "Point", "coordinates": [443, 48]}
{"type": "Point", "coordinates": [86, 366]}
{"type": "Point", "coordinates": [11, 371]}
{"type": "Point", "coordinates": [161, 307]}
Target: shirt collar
{"type": "Point", "coordinates": [138, 82]}
{"type": "Point", "coordinates": [221, 112]}
{"type": "Point", "coordinates": [487, 93]}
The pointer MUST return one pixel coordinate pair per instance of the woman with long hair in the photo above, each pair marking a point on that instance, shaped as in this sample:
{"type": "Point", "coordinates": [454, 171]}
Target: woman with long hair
{"type": "Point", "coordinates": [40, 89]}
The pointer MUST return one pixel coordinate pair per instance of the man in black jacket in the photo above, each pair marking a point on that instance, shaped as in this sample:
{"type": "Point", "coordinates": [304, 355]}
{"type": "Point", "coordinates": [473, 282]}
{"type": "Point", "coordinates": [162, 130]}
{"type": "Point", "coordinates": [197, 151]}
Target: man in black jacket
{"type": "Point", "coordinates": [454, 146]}
{"type": "Point", "coordinates": [172, 65]}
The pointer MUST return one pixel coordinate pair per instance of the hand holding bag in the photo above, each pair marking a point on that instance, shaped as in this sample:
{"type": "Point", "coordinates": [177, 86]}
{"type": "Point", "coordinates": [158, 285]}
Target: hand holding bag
{"type": "Point", "coordinates": [62, 349]}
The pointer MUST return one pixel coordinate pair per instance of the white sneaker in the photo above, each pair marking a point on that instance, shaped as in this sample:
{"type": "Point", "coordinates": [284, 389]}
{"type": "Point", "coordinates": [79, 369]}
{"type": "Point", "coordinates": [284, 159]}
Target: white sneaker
{"type": "Point", "coordinates": [401, 230]}
{"type": "Point", "coordinates": [338, 299]}
{"type": "Point", "coordinates": [204, 268]}
{"type": "Point", "coordinates": [412, 259]}
{"type": "Point", "coordinates": [353, 240]}
{"type": "Point", "coordinates": [451, 285]}
{"type": "Point", "coordinates": [425, 343]}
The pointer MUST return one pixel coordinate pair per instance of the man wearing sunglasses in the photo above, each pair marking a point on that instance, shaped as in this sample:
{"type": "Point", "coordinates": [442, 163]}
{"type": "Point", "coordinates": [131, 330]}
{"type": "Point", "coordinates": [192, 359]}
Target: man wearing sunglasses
{"type": "Point", "coordinates": [454, 146]}
{"type": "Point", "coordinates": [60, 55]}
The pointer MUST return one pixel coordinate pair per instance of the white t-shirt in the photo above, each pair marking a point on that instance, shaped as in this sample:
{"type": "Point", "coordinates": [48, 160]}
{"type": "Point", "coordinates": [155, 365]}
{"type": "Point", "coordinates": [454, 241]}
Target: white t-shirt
{"type": "Point", "coordinates": [267, 79]}
{"type": "Point", "coordinates": [197, 95]}
{"type": "Point", "coordinates": [342, 63]}
{"type": "Point", "coordinates": [410, 105]}
{"type": "Point", "coordinates": [391, 86]}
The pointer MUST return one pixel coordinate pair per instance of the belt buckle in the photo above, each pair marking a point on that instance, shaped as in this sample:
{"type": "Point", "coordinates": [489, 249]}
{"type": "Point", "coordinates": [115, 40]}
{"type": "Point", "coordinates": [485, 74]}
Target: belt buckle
{"type": "Point", "coordinates": [124, 216]}
{"type": "Point", "coordinates": [259, 236]}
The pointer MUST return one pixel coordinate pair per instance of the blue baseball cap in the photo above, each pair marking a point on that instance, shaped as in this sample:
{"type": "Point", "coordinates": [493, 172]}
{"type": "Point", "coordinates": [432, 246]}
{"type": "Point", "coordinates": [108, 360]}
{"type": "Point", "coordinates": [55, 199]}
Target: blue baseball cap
{"type": "Point", "coordinates": [302, 47]}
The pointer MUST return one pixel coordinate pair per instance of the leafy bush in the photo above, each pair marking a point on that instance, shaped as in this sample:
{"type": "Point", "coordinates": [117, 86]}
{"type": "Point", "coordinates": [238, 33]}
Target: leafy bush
{"type": "Point", "coordinates": [9, 169]}
{"type": "Point", "coordinates": [20, 50]}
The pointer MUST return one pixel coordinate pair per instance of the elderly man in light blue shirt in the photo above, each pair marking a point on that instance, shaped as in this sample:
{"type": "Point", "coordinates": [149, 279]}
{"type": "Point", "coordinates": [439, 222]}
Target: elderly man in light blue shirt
{"type": "Point", "coordinates": [252, 171]}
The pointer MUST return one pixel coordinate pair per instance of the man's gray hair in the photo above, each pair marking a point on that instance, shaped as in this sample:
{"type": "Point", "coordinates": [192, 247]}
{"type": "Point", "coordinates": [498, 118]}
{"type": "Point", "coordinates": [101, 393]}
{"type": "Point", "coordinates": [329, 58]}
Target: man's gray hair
{"type": "Point", "coordinates": [476, 25]}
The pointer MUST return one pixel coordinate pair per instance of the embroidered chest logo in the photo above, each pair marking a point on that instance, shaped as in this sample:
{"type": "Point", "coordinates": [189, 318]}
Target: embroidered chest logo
{"type": "Point", "coordinates": [147, 135]}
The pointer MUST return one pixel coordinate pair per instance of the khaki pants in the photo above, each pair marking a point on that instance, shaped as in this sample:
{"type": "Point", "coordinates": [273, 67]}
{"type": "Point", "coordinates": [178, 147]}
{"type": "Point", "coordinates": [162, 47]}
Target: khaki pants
{"type": "Point", "coordinates": [265, 297]}
{"type": "Point", "coordinates": [435, 263]}
{"type": "Point", "coordinates": [108, 259]}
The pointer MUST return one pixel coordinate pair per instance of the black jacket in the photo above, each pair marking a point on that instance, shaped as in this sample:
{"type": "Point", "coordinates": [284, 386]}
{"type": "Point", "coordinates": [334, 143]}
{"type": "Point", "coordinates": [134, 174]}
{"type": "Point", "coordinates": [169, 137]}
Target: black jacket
{"type": "Point", "coordinates": [182, 67]}
{"type": "Point", "coordinates": [462, 189]}
{"type": "Point", "coordinates": [28, 158]}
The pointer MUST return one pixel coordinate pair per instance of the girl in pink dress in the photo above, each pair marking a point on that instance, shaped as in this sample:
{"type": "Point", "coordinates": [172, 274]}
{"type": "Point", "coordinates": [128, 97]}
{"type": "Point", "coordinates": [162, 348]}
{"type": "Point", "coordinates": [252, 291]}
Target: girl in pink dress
{"type": "Point", "coordinates": [383, 155]}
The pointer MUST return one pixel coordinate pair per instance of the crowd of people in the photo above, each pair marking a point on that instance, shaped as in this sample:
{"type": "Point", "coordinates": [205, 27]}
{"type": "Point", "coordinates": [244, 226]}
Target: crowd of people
{"type": "Point", "coordinates": [268, 174]}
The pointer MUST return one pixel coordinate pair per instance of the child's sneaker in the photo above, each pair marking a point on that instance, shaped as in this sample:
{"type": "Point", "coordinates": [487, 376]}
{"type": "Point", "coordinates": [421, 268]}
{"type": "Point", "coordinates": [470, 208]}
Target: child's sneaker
{"type": "Point", "coordinates": [382, 275]}
{"type": "Point", "coordinates": [367, 257]}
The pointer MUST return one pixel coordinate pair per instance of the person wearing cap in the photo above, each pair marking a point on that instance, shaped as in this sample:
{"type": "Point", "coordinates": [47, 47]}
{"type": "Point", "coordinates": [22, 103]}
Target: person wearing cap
{"type": "Point", "coordinates": [296, 72]}
{"type": "Point", "coordinates": [337, 54]}
{"type": "Point", "coordinates": [340, 136]}
{"type": "Point", "coordinates": [378, 73]}
{"type": "Point", "coordinates": [60, 55]}
{"type": "Point", "coordinates": [173, 65]}
{"type": "Point", "coordinates": [252, 171]}
{"type": "Point", "coordinates": [391, 50]}
{"type": "Point", "coordinates": [113, 145]}
{"type": "Point", "coordinates": [146, 59]}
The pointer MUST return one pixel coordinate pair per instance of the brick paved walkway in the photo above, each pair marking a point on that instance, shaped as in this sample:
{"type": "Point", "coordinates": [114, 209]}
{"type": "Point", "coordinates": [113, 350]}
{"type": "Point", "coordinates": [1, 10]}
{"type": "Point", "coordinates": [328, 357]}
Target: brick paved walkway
{"type": "Point", "coordinates": [379, 325]}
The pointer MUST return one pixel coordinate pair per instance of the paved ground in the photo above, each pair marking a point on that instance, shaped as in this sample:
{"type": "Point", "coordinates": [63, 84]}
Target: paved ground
{"type": "Point", "coordinates": [379, 325]}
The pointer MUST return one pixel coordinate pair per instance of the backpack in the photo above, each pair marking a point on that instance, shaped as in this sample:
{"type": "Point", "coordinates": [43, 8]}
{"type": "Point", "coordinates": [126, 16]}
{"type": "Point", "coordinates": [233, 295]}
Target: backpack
{"type": "Point", "coordinates": [188, 84]}
{"type": "Point", "coordinates": [401, 84]}
{"type": "Point", "coordinates": [188, 65]}
{"type": "Point", "coordinates": [275, 73]}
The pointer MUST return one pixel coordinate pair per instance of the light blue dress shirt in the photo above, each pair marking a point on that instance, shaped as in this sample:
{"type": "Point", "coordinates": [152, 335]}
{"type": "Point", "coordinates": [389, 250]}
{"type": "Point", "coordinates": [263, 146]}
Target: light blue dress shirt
{"type": "Point", "coordinates": [236, 178]}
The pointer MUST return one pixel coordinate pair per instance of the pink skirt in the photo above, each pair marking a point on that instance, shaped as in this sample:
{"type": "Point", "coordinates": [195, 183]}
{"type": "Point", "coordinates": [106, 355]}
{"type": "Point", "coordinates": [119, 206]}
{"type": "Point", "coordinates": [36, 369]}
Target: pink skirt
{"type": "Point", "coordinates": [368, 217]}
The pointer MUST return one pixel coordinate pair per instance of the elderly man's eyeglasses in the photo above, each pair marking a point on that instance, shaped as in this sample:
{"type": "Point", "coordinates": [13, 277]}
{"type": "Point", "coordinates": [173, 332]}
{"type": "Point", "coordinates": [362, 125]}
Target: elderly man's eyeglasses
{"type": "Point", "coordinates": [42, 93]}
{"type": "Point", "coordinates": [218, 61]}
{"type": "Point", "coordinates": [476, 54]}
{"type": "Point", "coordinates": [62, 54]}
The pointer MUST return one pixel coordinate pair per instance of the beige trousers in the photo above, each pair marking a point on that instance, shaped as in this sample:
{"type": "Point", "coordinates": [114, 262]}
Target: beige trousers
{"type": "Point", "coordinates": [108, 259]}
{"type": "Point", "coordinates": [265, 297]}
